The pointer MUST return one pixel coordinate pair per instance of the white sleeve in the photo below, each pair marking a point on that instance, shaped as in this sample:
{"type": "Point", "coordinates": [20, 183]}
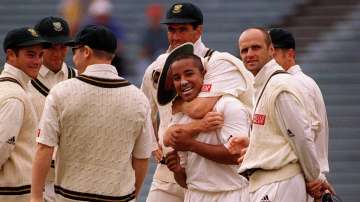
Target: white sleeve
{"type": "Point", "coordinates": [144, 144]}
{"type": "Point", "coordinates": [298, 126]}
{"type": "Point", "coordinates": [183, 158]}
{"type": "Point", "coordinates": [49, 126]}
{"type": "Point", "coordinates": [222, 77]}
{"type": "Point", "coordinates": [11, 119]}
{"type": "Point", "coordinates": [148, 88]}
{"type": "Point", "coordinates": [236, 119]}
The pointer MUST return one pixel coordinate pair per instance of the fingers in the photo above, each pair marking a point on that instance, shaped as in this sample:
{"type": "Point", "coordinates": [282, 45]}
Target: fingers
{"type": "Point", "coordinates": [314, 188]}
{"type": "Point", "coordinates": [240, 160]}
{"type": "Point", "coordinates": [157, 155]}
{"type": "Point", "coordinates": [327, 186]}
{"type": "Point", "coordinates": [172, 161]}
{"type": "Point", "coordinates": [214, 120]}
{"type": "Point", "coordinates": [243, 151]}
{"type": "Point", "coordinates": [237, 144]}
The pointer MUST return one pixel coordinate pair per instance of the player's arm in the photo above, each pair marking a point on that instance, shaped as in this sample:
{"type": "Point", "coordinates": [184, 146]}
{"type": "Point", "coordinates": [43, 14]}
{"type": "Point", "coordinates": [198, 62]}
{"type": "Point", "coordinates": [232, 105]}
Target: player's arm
{"type": "Point", "coordinates": [217, 153]}
{"type": "Point", "coordinates": [140, 167]}
{"type": "Point", "coordinates": [198, 107]}
{"type": "Point", "coordinates": [211, 121]}
{"type": "Point", "coordinates": [142, 151]}
{"type": "Point", "coordinates": [11, 119]}
{"type": "Point", "coordinates": [173, 163]}
{"type": "Point", "coordinates": [40, 169]}
{"type": "Point", "coordinates": [147, 88]}
{"type": "Point", "coordinates": [236, 124]}
{"type": "Point", "coordinates": [298, 128]}
{"type": "Point", "coordinates": [48, 138]}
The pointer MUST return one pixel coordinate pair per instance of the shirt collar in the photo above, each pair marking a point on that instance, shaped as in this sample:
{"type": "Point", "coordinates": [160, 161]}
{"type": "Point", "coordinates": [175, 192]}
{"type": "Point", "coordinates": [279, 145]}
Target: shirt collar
{"type": "Point", "coordinates": [265, 72]}
{"type": "Point", "coordinates": [200, 48]}
{"type": "Point", "coordinates": [294, 69]}
{"type": "Point", "coordinates": [44, 71]}
{"type": "Point", "coordinates": [102, 71]}
{"type": "Point", "coordinates": [17, 74]}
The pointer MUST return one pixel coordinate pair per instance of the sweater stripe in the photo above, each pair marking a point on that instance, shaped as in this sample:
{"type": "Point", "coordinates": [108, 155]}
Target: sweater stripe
{"type": "Point", "coordinates": [10, 79]}
{"type": "Point", "coordinates": [15, 190]}
{"type": "Point", "coordinates": [40, 87]}
{"type": "Point", "coordinates": [71, 73]}
{"type": "Point", "coordinates": [104, 83]}
{"type": "Point", "coordinates": [82, 196]}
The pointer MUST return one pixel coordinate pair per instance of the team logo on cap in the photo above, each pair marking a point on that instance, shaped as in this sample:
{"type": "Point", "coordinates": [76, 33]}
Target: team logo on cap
{"type": "Point", "coordinates": [177, 8]}
{"type": "Point", "coordinates": [33, 32]}
{"type": "Point", "coordinates": [57, 26]}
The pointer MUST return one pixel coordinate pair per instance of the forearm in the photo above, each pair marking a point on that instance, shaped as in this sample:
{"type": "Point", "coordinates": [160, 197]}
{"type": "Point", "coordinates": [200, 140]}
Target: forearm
{"type": "Point", "coordinates": [41, 166]}
{"type": "Point", "coordinates": [199, 107]}
{"type": "Point", "coordinates": [140, 167]}
{"type": "Point", "coordinates": [180, 178]}
{"type": "Point", "coordinates": [193, 128]}
{"type": "Point", "coordinates": [217, 153]}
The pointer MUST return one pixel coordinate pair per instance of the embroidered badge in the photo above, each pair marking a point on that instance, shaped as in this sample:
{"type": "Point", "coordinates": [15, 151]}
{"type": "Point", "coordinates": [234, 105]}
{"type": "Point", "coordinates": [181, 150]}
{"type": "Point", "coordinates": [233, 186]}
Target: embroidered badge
{"type": "Point", "coordinates": [206, 88]}
{"type": "Point", "coordinates": [259, 119]}
{"type": "Point", "coordinates": [177, 8]}
{"type": "Point", "coordinates": [155, 77]}
{"type": "Point", "coordinates": [57, 26]}
{"type": "Point", "coordinates": [33, 32]}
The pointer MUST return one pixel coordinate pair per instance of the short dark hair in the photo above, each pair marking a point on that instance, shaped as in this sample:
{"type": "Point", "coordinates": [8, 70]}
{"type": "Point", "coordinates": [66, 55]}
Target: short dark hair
{"type": "Point", "coordinates": [195, 58]}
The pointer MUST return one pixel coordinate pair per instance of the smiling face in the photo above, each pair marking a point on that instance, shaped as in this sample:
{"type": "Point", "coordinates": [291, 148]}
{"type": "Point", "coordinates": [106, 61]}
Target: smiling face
{"type": "Point", "coordinates": [255, 50]}
{"type": "Point", "coordinates": [28, 59]}
{"type": "Point", "coordinates": [188, 77]}
{"type": "Point", "coordinates": [54, 57]}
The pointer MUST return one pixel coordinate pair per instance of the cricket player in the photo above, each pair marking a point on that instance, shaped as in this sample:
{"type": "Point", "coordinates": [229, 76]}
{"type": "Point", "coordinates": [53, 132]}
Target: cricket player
{"type": "Point", "coordinates": [285, 56]}
{"type": "Point", "coordinates": [206, 168]}
{"type": "Point", "coordinates": [225, 75]}
{"type": "Point", "coordinates": [281, 156]}
{"type": "Point", "coordinates": [24, 49]}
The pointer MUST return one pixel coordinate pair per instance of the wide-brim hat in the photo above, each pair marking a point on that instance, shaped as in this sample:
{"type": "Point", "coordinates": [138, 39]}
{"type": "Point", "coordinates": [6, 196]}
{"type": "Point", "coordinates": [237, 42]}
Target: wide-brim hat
{"type": "Point", "coordinates": [166, 93]}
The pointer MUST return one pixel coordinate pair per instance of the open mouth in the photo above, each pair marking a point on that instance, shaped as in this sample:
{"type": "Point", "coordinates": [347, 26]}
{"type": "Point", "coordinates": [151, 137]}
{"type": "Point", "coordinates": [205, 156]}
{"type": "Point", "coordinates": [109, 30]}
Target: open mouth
{"type": "Point", "coordinates": [187, 90]}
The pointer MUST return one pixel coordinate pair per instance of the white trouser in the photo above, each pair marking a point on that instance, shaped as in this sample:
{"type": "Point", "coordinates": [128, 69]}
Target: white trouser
{"type": "Point", "coordinates": [49, 192]}
{"type": "Point", "coordinates": [239, 195]}
{"type": "Point", "coordinates": [165, 191]}
{"type": "Point", "coordinates": [292, 189]}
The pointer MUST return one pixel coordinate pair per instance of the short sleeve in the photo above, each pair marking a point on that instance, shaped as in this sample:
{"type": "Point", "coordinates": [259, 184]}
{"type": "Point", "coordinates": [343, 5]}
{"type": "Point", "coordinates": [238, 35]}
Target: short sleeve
{"type": "Point", "coordinates": [222, 77]}
{"type": "Point", "coordinates": [49, 126]}
{"type": "Point", "coordinates": [148, 88]}
{"type": "Point", "coordinates": [236, 118]}
{"type": "Point", "coordinates": [145, 143]}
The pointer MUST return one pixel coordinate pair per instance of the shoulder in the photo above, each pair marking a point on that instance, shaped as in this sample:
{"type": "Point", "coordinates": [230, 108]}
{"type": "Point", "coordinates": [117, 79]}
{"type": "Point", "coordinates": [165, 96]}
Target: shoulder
{"type": "Point", "coordinates": [283, 82]}
{"type": "Point", "coordinates": [152, 73]}
{"type": "Point", "coordinates": [229, 102]}
{"type": "Point", "coordinates": [11, 89]}
{"type": "Point", "coordinates": [157, 64]}
{"type": "Point", "coordinates": [223, 56]}
{"type": "Point", "coordinates": [62, 86]}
